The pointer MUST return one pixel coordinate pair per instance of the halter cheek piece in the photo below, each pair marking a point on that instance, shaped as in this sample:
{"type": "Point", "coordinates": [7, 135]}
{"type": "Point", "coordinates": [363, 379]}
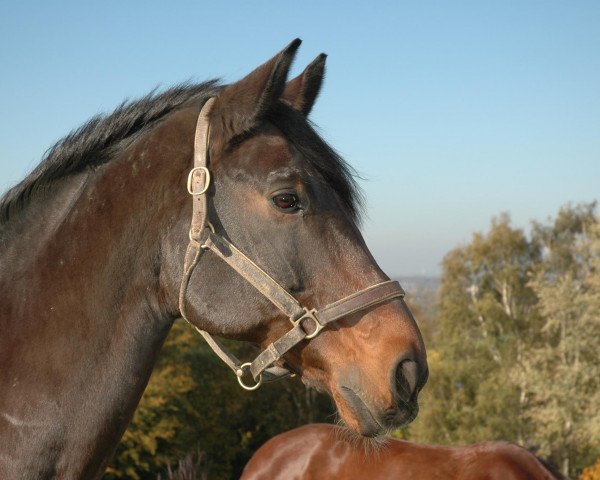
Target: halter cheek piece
{"type": "Point", "coordinates": [305, 323]}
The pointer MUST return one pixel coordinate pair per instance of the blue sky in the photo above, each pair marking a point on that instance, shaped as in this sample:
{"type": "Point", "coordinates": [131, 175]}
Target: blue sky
{"type": "Point", "coordinates": [452, 111]}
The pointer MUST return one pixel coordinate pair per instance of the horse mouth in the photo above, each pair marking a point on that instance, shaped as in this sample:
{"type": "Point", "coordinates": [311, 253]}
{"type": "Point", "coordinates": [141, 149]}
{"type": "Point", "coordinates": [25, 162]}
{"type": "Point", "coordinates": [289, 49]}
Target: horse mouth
{"type": "Point", "coordinates": [370, 424]}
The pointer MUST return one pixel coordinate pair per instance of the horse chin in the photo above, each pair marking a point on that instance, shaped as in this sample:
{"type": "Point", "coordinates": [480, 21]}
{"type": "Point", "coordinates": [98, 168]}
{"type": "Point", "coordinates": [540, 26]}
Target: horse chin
{"type": "Point", "coordinates": [355, 413]}
{"type": "Point", "coordinates": [406, 417]}
{"type": "Point", "coordinates": [364, 420]}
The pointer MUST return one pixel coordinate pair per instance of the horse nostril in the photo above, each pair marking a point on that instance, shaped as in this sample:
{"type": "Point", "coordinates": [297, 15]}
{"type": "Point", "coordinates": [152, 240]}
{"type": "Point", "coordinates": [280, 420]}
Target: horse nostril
{"type": "Point", "coordinates": [407, 376]}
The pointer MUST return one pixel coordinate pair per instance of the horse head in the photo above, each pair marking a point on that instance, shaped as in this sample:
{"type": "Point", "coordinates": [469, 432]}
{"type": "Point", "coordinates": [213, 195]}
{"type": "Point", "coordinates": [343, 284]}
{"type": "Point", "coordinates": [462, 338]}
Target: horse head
{"type": "Point", "coordinates": [284, 198]}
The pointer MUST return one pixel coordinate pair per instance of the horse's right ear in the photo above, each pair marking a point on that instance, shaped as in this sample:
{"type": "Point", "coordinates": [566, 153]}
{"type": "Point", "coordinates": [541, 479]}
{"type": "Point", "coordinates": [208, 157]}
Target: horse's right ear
{"type": "Point", "coordinates": [242, 105]}
{"type": "Point", "coordinates": [301, 92]}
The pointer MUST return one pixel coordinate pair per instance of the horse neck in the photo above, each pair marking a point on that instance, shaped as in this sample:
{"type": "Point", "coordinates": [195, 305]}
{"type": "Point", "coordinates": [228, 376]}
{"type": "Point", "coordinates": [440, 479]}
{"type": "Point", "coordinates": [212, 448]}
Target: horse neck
{"type": "Point", "coordinates": [83, 313]}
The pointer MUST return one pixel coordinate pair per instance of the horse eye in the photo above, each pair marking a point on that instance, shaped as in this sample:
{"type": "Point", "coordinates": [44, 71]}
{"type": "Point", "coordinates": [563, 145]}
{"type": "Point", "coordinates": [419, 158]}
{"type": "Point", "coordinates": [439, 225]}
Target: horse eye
{"type": "Point", "coordinates": [287, 202]}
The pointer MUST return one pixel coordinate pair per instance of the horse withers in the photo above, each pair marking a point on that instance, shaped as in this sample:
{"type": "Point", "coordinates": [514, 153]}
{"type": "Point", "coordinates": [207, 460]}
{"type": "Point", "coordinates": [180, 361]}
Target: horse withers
{"type": "Point", "coordinates": [95, 242]}
{"type": "Point", "coordinates": [319, 451]}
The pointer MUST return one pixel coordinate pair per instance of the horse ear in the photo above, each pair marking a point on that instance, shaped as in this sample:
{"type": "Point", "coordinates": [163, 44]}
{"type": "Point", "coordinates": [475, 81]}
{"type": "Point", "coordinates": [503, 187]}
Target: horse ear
{"type": "Point", "coordinates": [244, 104]}
{"type": "Point", "coordinates": [301, 92]}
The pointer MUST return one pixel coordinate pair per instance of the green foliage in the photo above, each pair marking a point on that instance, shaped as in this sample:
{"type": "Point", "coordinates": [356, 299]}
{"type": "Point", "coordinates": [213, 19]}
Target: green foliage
{"type": "Point", "coordinates": [515, 351]}
{"type": "Point", "coordinates": [485, 305]}
{"type": "Point", "coordinates": [563, 372]}
{"type": "Point", "coordinates": [193, 402]}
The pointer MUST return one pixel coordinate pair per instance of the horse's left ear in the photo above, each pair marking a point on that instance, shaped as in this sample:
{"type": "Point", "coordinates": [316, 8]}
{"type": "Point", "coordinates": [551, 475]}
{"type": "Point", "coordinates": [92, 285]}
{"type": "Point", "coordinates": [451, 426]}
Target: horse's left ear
{"type": "Point", "coordinates": [301, 92]}
{"type": "Point", "coordinates": [241, 106]}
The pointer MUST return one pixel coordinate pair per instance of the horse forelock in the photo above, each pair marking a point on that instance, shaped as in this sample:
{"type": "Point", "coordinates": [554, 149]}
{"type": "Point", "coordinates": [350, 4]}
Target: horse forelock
{"type": "Point", "coordinates": [332, 168]}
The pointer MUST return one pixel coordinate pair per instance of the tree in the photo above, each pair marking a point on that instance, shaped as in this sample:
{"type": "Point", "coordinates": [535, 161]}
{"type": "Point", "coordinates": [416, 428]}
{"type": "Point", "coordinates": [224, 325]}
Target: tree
{"type": "Point", "coordinates": [485, 304]}
{"type": "Point", "coordinates": [515, 351]}
{"type": "Point", "coordinates": [563, 370]}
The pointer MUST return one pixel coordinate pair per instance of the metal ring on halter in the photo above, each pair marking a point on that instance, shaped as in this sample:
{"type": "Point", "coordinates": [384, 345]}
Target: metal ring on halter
{"type": "Point", "coordinates": [191, 179]}
{"type": "Point", "coordinates": [204, 246]}
{"type": "Point", "coordinates": [241, 372]}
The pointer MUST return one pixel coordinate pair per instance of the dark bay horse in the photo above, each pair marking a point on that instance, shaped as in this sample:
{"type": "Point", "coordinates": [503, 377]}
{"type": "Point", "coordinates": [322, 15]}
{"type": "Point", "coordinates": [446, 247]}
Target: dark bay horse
{"type": "Point", "coordinates": [92, 250]}
{"type": "Point", "coordinates": [328, 452]}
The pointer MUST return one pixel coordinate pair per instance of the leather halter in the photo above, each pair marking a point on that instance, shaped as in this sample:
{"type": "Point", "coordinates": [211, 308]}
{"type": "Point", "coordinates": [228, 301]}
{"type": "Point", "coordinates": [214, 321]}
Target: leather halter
{"type": "Point", "coordinates": [306, 323]}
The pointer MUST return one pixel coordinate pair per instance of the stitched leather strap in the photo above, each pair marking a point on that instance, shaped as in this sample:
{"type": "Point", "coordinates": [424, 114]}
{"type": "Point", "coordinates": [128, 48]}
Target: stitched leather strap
{"type": "Point", "coordinates": [197, 184]}
{"type": "Point", "coordinates": [255, 275]}
{"type": "Point", "coordinates": [354, 303]}
{"type": "Point", "coordinates": [370, 296]}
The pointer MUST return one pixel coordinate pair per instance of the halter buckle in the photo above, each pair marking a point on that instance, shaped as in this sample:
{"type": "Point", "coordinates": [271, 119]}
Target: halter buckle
{"type": "Point", "coordinates": [190, 181]}
{"type": "Point", "coordinates": [310, 314]}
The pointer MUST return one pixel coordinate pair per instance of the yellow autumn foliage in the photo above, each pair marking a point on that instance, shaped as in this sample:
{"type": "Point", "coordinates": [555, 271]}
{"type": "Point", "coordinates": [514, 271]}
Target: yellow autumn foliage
{"type": "Point", "coordinates": [591, 473]}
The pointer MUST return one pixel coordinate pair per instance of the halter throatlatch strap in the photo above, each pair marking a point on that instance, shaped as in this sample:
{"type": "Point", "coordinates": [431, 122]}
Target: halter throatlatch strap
{"type": "Point", "coordinates": [306, 323]}
{"type": "Point", "coordinates": [198, 182]}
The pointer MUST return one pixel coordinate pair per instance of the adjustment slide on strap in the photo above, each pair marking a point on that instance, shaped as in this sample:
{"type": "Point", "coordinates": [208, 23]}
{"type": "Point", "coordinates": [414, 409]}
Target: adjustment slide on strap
{"type": "Point", "coordinates": [309, 315]}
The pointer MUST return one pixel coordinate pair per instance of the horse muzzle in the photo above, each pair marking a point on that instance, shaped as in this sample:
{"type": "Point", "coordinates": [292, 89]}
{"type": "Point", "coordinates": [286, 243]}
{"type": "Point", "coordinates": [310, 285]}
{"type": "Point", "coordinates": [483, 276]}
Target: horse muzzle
{"type": "Point", "coordinates": [372, 415]}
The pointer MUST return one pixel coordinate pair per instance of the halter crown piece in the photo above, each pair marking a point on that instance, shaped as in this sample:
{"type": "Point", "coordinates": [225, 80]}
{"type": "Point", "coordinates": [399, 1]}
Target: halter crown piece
{"type": "Point", "coordinates": [306, 323]}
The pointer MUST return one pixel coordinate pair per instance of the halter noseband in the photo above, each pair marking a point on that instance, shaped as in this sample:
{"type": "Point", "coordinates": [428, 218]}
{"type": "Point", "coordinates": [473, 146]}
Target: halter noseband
{"type": "Point", "coordinates": [262, 368]}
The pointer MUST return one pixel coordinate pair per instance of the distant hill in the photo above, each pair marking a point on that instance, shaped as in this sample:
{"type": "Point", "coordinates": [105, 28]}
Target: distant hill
{"type": "Point", "coordinates": [422, 290]}
{"type": "Point", "coordinates": [421, 295]}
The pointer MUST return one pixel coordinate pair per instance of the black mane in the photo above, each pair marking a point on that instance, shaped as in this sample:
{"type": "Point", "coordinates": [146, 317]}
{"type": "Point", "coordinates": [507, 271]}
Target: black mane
{"type": "Point", "coordinates": [97, 140]}
{"type": "Point", "coordinates": [101, 137]}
